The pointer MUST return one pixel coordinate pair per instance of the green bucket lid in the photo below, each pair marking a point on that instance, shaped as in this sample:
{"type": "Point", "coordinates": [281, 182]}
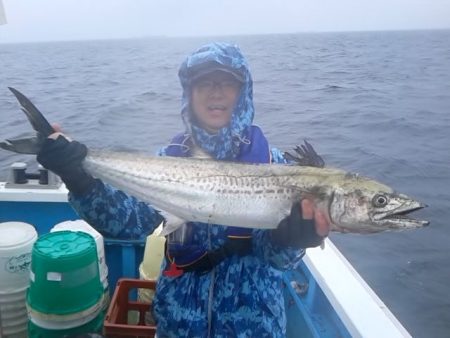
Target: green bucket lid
{"type": "Point", "coordinates": [64, 273]}
{"type": "Point", "coordinates": [65, 245]}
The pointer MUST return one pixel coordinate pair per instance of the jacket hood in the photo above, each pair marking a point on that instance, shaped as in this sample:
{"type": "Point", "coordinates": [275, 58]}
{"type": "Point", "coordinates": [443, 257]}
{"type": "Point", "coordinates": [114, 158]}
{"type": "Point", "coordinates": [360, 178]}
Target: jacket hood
{"type": "Point", "coordinates": [226, 57]}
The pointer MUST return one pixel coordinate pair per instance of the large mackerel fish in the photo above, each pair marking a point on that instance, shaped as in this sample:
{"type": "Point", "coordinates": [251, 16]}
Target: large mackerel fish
{"type": "Point", "coordinates": [237, 194]}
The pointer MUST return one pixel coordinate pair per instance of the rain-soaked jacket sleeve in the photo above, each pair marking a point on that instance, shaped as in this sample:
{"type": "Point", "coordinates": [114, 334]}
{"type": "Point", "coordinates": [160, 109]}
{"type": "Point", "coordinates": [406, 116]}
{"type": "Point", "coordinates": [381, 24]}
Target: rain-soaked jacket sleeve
{"type": "Point", "coordinates": [115, 214]}
{"type": "Point", "coordinates": [281, 258]}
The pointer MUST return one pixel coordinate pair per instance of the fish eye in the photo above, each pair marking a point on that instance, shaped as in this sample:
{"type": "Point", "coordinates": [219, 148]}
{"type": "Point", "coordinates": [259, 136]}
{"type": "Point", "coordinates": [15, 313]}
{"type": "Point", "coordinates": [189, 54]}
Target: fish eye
{"type": "Point", "coordinates": [380, 201]}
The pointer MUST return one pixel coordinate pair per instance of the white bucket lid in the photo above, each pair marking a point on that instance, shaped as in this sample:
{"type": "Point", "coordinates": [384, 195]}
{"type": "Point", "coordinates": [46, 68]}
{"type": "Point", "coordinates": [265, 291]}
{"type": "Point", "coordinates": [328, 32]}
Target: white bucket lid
{"type": "Point", "coordinates": [16, 234]}
{"type": "Point", "coordinates": [78, 225]}
{"type": "Point", "coordinates": [81, 225]}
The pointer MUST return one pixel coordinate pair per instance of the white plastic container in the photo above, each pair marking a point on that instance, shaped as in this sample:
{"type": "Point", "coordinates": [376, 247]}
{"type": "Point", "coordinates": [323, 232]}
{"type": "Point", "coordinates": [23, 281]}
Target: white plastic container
{"type": "Point", "coordinates": [15, 328]}
{"type": "Point", "coordinates": [80, 225]}
{"type": "Point", "coordinates": [16, 244]}
{"type": "Point", "coordinates": [13, 314]}
{"type": "Point", "coordinates": [12, 307]}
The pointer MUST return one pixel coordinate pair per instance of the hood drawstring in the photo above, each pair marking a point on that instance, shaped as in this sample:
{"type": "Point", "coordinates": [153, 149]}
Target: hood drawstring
{"type": "Point", "coordinates": [185, 148]}
{"type": "Point", "coordinates": [242, 139]}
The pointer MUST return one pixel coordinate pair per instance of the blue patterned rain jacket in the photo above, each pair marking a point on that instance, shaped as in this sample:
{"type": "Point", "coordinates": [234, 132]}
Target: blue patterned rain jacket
{"type": "Point", "coordinates": [241, 296]}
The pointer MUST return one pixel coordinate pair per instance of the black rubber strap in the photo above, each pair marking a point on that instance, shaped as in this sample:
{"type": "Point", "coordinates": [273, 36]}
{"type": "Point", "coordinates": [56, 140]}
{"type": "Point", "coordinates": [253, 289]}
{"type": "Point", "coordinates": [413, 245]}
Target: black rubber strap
{"type": "Point", "coordinates": [233, 246]}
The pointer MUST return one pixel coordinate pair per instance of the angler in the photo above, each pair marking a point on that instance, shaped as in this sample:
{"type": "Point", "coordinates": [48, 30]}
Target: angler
{"type": "Point", "coordinates": [236, 222]}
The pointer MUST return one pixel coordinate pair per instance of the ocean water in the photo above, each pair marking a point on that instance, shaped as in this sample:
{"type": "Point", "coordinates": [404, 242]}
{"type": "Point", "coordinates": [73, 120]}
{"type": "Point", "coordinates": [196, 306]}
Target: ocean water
{"type": "Point", "coordinates": [377, 103]}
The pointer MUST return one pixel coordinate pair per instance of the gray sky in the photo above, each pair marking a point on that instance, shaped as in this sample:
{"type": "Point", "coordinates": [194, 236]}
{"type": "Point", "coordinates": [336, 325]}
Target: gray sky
{"type": "Point", "coordinates": [48, 20]}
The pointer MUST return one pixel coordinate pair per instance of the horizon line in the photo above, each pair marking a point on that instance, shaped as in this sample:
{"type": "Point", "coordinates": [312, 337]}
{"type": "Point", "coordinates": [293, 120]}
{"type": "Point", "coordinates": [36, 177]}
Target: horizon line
{"type": "Point", "coordinates": [176, 36]}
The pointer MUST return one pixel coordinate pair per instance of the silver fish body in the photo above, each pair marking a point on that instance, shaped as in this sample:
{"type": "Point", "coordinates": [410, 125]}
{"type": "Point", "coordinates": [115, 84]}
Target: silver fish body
{"type": "Point", "coordinates": [253, 195]}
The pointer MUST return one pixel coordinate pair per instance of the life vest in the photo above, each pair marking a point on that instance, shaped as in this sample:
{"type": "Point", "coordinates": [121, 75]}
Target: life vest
{"type": "Point", "coordinates": [254, 149]}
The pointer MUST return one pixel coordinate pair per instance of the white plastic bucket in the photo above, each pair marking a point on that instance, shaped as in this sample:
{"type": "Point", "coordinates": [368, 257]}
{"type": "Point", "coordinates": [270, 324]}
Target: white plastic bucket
{"type": "Point", "coordinates": [13, 310]}
{"type": "Point", "coordinates": [80, 225]}
{"type": "Point", "coordinates": [16, 244]}
{"type": "Point", "coordinates": [14, 327]}
{"type": "Point", "coordinates": [13, 297]}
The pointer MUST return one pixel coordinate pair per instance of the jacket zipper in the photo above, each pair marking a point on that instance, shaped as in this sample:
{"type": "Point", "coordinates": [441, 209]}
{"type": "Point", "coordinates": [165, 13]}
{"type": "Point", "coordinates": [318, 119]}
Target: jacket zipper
{"type": "Point", "coordinates": [211, 287]}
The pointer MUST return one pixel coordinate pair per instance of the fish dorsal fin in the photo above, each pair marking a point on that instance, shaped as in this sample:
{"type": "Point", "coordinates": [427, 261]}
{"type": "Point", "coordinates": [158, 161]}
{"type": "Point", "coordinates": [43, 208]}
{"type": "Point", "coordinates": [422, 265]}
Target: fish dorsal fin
{"type": "Point", "coordinates": [305, 156]}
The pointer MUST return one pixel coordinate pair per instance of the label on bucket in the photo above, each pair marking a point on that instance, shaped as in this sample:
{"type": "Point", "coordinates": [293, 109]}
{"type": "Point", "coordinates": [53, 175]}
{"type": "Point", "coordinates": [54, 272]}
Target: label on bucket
{"type": "Point", "coordinates": [54, 276]}
{"type": "Point", "coordinates": [18, 264]}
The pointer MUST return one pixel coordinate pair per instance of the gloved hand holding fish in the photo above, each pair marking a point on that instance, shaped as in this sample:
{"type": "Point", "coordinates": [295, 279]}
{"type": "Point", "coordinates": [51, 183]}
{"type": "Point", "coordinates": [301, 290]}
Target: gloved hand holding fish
{"type": "Point", "coordinates": [228, 193]}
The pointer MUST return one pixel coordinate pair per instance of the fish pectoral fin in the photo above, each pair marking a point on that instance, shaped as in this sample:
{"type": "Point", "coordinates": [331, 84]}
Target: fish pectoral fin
{"type": "Point", "coordinates": [171, 223]}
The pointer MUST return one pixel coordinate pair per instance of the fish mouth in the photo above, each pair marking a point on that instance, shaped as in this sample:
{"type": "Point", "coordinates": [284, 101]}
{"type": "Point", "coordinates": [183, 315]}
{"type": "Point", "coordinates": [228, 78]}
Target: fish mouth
{"type": "Point", "coordinates": [401, 218]}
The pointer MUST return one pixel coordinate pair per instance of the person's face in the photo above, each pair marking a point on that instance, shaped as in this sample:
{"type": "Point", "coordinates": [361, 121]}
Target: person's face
{"type": "Point", "coordinates": [213, 99]}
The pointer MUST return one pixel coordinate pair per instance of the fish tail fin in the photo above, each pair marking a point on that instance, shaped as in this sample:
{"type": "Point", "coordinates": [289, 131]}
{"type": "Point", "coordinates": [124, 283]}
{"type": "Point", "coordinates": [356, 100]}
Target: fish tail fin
{"type": "Point", "coordinates": [29, 145]}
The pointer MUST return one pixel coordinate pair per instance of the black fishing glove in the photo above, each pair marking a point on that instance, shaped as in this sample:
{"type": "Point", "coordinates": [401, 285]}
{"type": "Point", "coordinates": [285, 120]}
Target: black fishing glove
{"type": "Point", "coordinates": [296, 232]}
{"type": "Point", "coordinates": [64, 158]}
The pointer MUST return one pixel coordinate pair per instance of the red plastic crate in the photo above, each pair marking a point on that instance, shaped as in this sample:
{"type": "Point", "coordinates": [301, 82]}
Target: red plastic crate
{"type": "Point", "coordinates": [116, 320]}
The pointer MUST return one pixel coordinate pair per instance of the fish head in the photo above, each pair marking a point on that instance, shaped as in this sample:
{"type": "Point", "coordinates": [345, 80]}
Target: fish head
{"type": "Point", "coordinates": [366, 206]}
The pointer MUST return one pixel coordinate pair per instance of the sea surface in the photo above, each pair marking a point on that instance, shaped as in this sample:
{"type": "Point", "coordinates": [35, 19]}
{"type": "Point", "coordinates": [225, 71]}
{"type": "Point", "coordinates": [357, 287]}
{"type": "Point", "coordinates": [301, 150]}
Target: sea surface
{"type": "Point", "coordinates": [376, 103]}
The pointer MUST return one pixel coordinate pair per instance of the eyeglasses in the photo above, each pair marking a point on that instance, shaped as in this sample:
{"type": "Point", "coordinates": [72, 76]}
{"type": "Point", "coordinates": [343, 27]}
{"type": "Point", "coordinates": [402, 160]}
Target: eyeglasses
{"type": "Point", "coordinates": [224, 85]}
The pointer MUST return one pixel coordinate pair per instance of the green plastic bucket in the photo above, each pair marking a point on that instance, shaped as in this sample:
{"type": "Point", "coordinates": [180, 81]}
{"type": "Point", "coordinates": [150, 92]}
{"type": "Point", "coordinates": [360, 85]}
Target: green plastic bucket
{"type": "Point", "coordinates": [64, 277]}
{"type": "Point", "coordinates": [94, 326]}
